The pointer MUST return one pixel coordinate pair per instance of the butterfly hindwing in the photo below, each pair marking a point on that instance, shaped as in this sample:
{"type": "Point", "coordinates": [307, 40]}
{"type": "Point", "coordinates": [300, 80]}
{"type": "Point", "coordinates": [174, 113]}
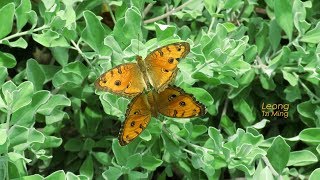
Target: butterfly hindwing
{"type": "Point", "coordinates": [138, 116]}
{"type": "Point", "coordinates": [161, 64]}
{"type": "Point", "coordinates": [125, 80]}
{"type": "Point", "coordinates": [174, 102]}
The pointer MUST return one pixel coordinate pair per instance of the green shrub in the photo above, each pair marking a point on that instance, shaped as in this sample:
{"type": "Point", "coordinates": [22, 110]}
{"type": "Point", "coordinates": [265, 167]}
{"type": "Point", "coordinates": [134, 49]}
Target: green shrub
{"type": "Point", "coordinates": [247, 57]}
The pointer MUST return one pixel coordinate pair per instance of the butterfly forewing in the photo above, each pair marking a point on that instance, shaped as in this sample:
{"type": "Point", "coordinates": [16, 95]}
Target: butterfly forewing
{"type": "Point", "coordinates": [125, 80]}
{"type": "Point", "coordinates": [159, 69]}
{"type": "Point", "coordinates": [161, 64]}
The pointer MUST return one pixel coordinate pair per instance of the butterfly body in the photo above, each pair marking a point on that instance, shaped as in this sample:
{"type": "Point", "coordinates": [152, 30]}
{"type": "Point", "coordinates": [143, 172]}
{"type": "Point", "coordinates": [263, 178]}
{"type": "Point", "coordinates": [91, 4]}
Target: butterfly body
{"type": "Point", "coordinates": [158, 69]}
{"type": "Point", "coordinates": [172, 102]}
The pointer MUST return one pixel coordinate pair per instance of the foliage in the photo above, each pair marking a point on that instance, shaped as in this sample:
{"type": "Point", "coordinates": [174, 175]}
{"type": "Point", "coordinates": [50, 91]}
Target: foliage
{"type": "Point", "coordinates": [244, 54]}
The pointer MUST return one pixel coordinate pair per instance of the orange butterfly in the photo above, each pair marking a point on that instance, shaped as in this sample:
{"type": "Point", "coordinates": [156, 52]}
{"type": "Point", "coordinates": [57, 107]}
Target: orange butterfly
{"type": "Point", "coordinates": [159, 69]}
{"type": "Point", "coordinates": [172, 102]}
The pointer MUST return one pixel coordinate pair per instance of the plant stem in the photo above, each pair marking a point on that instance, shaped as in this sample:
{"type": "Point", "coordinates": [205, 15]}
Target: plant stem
{"type": "Point", "coordinates": [225, 106]}
{"type": "Point", "coordinates": [7, 148]}
{"type": "Point", "coordinates": [184, 141]}
{"type": "Point", "coordinates": [147, 9]}
{"type": "Point", "coordinates": [168, 17]}
{"type": "Point", "coordinates": [309, 92]}
{"type": "Point", "coordinates": [76, 47]}
{"type": "Point", "coordinates": [213, 19]}
{"type": "Point", "coordinates": [111, 13]}
{"type": "Point", "coordinates": [24, 33]}
{"type": "Point", "coordinates": [274, 172]}
{"type": "Point", "coordinates": [173, 10]}
{"type": "Point", "coordinates": [202, 66]}
{"type": "Point", "coordinates": [211, 24]}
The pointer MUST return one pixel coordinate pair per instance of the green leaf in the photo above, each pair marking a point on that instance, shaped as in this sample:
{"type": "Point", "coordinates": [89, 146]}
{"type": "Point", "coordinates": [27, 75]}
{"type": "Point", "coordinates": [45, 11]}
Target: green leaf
{"type": "Point", "coordinates": [274, 34]}
{"type": "Point", "coordinates": [61, 54]}
{"type": "Point", "coordinates": [245, 109]}
{"type": "Point", "coordinates": [14, 157]}
{"type": "Point", "coordinates": [137, 175]}
{"type": "Point", "coordinates": [302, 158]}
{"type": "Point", "coordinates": [278, 154]}
{"type": "Point", "coordinates": [266, 82]}
{"type": "Point", "coordinates": [312, 36]}
{"type": "Point", "coordinates": [307, 109]}
{"type": "Point", "coordinates": [229, 26]}
{"type": "Point", "coordinates": [198, 130]}
{"type": "Point", "coordinates": [284, 16]}
{"type": "Point", "coordinates": [54, 102]}
{"type": "Point", "coordinates": [261, 124]}
{"type": "Point", "coordinates": [211, 6]}
{"type": "Point", "coordinates": [133, 161]}
{"type": "Point", "coordinates": [231, 4]}
{"type": "Point", "coordinates": [145, 135]}
{"type": "Point", "coordinates": [6, 19]}
{"type": "Point", "coordinates": [71, 76]}
{"type": "Point", "coordinates": [315, 174]}
{"type": "Point", "coordinates": [35, 136]}
{"type": "Point", "coordinates": [22, 96]}
{"type": "Point", "coordinates": [50, 142]}
{"type": "Point", "coordinates": [71, 176]}
{"type": "Point", "coordinates": [293, 80]}
{"type": "Point", "coordinates": [88, 144]}
{"type": "Point", "coordinates": [94, 33]}
{"type": "Point", "coordinates": [310, 135]}
{"type": "Point", "coordinates": [32, 177]}
{"type": "Point", "coordinates": [18, 135]}
{"type": "Point", "coordinates": [114, 105]}
{"type": "Point", "coordinates": [73, 145]}
{"type": "Point", "coordinates": [132, 22]}
{"type": "Point", "coordinates": [35, 74]}
{"type": "Point", "coordinates": [25, 115]}
{"type": "Point", "coordinates": [3, 75]}
{"type": "Point", "coordinates": [201, 95]}
{"type": "Point", "coordinates": [51, 39]}
{"type": "Point", "coordinates": [299, 20]}
{"type": "Point", "coordinates": [215, 135]}
{"type": "Point", "coordinates": [58, 175]}
{"type": "Point", "coordinates": [22, 13]}
{"type": "Point", "coordinates": [21, 43]}
{"type": "Point", "coordinates": [248, 169]}
{"type": "Point", "coordinates": [102, 157]}
{"type": "Point", "coordinates": [170, 147]}
{"type": "Point", "coordinates": [292, 93]}
{"type": "Point", "coordinates": [87, 167]}
{"type": "Point", "coordinates": [113, 173]}
{"type": "Point", "coordinates": [265, 174]}
{"type": "Point", "coordinates": [7, 89]}
{"type": "Point", "coordinates": [228, 125]}
{"type": "Point", "coordinates": [150, 162]}
{"type": "Point", "coordinates": [3, 135]}
{"type": "Point", "coordinates": [164, 31]}
{"type": "Point", "coordinates": [7, 60]}
{"type": "Point", "coordinates": [121, 153]}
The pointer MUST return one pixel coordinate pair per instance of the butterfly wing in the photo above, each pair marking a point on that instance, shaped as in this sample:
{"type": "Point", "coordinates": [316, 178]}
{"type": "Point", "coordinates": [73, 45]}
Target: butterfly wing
{"type": "Point", "coordinates": [174, 102]}
{"type": "Point", "coordinates": [161, 64]}
{"type": "Point", "coordinates": [124, 80]}
{"type": "Point", "coordinates": [138, 116]}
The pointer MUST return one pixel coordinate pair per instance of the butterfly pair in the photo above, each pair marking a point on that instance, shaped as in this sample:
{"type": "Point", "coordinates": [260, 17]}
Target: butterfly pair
{"type": "Point", "coordinates": [158, 69]}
